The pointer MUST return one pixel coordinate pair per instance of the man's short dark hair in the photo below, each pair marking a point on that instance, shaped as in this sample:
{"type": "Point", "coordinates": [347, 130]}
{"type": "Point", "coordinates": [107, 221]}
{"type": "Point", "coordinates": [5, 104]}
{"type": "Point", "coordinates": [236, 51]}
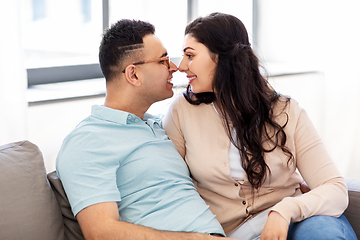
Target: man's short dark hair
{"type": "Point", "coordinates": [118, 42]}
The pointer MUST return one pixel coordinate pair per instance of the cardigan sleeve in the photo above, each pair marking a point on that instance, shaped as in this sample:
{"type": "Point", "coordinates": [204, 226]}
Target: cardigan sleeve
{"type": "Point", "coordinates": [171, 124]}
{"type": "Point", "coordinates": [328, 195]}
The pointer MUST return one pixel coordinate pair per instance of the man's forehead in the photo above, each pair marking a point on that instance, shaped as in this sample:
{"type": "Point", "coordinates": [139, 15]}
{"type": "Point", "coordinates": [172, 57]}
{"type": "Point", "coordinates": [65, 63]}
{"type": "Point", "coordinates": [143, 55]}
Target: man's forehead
{"type": "Point", "coordinates": [153, 45]}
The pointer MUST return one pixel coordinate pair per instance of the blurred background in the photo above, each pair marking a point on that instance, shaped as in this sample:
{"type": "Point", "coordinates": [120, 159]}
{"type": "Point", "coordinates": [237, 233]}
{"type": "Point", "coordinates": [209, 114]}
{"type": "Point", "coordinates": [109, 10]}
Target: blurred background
{"type": "Point", "coordinates": [50, 76]}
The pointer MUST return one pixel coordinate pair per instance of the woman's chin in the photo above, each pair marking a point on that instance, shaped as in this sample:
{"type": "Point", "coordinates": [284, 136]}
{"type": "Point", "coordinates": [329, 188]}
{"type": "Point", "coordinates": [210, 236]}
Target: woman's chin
{"type": "Point", "coordinates": [198, 90]}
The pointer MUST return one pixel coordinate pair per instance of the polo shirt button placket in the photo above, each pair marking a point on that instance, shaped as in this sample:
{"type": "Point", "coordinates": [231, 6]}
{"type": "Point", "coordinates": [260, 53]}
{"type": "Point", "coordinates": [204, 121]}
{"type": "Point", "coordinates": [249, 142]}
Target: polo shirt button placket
{"type": "Point", "coordinates": [128, 119]}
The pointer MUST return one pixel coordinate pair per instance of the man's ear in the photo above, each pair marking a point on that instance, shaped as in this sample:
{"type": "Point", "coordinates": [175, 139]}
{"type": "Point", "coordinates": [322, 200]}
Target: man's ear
{"type": "Point", "coordinates": [131, 77]}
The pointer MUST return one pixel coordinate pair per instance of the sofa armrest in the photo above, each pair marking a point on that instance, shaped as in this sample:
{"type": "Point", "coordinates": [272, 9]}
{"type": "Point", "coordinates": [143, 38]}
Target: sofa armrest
{"type": "Point", "coordinates": [28, 207]}
{"type": "Point", "coordinates": [352, 213]}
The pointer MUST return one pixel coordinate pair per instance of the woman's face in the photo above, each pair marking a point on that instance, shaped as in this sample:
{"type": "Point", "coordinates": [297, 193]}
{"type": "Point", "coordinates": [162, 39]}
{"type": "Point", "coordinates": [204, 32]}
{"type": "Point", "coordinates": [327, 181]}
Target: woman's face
{"type": "Point", "coordinates": [199, 64]}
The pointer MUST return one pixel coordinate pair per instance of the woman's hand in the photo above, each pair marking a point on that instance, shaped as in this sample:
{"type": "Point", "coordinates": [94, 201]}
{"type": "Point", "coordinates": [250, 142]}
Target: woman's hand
{"type": "Point", "coordinates": [276, 227]}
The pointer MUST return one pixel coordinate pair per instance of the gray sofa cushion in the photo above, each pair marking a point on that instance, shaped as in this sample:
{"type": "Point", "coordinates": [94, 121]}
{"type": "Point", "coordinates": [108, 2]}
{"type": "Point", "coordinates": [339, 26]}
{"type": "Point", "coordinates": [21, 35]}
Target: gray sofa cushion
{"type": "Point", "coordinates": [72, 227]}
{"type": "Point", "coordinates": [353, 210]}
{"type": "Point", "coordinates": [28, 207]}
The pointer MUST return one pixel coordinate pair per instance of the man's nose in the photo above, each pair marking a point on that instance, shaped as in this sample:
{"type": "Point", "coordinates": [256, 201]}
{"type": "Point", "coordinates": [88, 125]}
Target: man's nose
{"type": "Point", "coordinates": [173, 67]}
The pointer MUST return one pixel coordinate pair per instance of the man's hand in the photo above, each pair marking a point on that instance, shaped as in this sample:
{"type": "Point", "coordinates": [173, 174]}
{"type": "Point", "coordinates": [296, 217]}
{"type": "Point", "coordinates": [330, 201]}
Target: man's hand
{"type": "Point", "coordinates": [276, 227]}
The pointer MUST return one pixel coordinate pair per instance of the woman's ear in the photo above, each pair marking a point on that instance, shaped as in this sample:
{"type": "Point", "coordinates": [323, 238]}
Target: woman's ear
{"type": "Point", "coordinates": [215, 57]}
{"type": "Point", "coordinates": [131, 77]}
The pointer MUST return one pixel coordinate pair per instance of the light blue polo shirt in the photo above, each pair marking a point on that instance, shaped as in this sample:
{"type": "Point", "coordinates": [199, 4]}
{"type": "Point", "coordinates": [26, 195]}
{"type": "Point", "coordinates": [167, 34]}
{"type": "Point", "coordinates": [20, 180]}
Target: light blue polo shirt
{"type": "Point", "coordinates": [114, 156]}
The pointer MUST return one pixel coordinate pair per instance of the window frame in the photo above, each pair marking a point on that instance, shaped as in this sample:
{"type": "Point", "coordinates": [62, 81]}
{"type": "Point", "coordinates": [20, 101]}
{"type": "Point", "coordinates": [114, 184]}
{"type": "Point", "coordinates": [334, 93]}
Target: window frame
{"type": "Point", "coordinates": [56, 74]}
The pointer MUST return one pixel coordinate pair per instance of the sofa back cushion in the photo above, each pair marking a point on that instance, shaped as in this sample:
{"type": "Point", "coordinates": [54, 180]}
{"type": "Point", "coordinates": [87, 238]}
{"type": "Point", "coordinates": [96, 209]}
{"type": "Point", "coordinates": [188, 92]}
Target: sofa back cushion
{"type": "Point", "coordinates": [28, 207]}
{"type": "Point", "coordinates": [72, 227]}
{"type": "Point", "coordinates": [353, 210]}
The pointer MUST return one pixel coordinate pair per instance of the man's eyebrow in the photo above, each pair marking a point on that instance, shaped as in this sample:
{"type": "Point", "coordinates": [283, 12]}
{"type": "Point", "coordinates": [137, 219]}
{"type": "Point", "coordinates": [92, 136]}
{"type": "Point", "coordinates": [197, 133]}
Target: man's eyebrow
{"type": "Point", "coordinates": [187, 49]}
{"type": "Point", "coordinates": [164, 54]}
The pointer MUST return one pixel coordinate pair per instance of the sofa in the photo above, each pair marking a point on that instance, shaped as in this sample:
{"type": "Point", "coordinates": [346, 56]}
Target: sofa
{"type": "Point", "coordinates": [34, 206]}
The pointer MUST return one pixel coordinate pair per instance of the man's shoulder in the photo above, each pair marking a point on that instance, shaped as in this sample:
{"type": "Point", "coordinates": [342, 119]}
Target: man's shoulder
{"type": "Point", "coordinates": [155, 117]}
{"type": "Point", "coordinates": [158, 118]}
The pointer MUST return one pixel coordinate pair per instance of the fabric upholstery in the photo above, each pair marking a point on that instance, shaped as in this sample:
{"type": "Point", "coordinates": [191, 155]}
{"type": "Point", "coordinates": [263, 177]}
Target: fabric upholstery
{"type": "Point", "coordinates": [352, 213]}
{"type": "Point", "coordinates": [72, 227]}
{"type": "Point", "coordinates": [28, 207]}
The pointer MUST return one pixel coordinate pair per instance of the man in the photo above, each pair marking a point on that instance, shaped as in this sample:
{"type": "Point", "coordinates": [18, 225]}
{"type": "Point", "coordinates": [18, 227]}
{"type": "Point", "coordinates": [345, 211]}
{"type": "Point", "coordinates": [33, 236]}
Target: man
{"type": "Point", "coordinates": [123, 176]}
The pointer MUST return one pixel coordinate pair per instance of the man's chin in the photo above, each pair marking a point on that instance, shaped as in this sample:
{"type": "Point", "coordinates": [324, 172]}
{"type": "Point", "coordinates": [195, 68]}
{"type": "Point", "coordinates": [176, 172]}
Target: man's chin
{"type": "Point", "coordinates": [169, 95]}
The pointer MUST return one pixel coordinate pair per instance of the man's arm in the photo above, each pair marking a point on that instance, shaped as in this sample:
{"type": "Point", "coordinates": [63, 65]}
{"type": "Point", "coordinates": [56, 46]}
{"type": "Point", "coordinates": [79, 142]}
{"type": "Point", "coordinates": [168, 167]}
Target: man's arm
{"type": "Point", "coordinates": [101, 221]}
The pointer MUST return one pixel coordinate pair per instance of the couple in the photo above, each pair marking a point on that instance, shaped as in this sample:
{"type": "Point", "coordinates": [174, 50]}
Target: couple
{"type": "Point", "coordinates": [242, 142]}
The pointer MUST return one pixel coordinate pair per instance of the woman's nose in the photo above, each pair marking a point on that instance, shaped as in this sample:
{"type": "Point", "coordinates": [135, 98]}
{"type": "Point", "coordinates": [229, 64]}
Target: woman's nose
{"type": "Point", "coordinates": [182, 66]}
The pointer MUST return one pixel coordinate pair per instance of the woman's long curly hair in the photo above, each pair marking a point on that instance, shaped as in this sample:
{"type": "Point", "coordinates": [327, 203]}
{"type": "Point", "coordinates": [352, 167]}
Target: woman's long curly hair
{"type": "Point", "coordinates": [243, 96]}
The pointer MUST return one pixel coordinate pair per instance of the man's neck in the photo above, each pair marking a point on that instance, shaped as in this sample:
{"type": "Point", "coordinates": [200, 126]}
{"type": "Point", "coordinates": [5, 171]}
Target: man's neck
{"type": "Point", "coordinates": [126, 106]}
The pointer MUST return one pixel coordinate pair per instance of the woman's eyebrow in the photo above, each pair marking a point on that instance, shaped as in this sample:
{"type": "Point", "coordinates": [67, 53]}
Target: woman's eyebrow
{"type": "Point", "coordinates": [187, 49]}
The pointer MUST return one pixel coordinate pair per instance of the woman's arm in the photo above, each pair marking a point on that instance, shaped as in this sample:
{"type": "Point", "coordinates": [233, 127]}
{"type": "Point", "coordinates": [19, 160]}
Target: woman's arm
{"type": "Point", "coordinates": [328, 194]}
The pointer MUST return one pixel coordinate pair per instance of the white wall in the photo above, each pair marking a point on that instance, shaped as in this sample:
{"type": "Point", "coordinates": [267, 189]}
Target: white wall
{"type": "Point", "coordinates": [319, 34]}
{"type": "Point", "coordinates": [322, 35]}
{"type": "Point", "coordinates": [13, 80]}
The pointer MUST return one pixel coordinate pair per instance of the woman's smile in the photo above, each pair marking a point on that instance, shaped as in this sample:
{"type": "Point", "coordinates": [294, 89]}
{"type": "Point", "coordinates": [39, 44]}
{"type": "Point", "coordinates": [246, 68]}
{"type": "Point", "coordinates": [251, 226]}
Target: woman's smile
{"type": "Point", "coordinates": [191, 78]}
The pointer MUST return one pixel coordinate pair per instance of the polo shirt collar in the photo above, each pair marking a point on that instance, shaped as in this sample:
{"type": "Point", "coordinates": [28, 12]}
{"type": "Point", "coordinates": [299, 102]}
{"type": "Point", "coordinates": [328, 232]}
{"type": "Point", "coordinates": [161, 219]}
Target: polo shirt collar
{"type": "Point", "coordinates": [112, 115]}
{"type": "Point", "coordinates": [118, 116]}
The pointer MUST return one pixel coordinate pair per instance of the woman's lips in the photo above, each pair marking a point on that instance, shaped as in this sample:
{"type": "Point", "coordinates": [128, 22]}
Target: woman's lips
{"type": "Point", "coordinates": [191, 79]}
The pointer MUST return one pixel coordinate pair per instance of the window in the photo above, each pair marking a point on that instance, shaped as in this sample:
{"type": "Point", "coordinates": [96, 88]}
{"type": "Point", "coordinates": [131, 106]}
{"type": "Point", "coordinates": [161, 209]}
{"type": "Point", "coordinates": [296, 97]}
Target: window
{"type": "Point", "coordinates": [61, 38]}
{"type": "Point", "coordinates": [168, 17]}
{"type": "Point", "coordinates": [59, 34]}
{"type": "Point", "coordinates": [241, 9]}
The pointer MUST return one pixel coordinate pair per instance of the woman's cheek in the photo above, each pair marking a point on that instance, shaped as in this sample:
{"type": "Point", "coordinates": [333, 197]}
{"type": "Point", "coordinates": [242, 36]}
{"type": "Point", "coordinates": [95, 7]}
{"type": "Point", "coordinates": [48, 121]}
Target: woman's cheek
{"type": "Point", "coordinates": [189, 64]}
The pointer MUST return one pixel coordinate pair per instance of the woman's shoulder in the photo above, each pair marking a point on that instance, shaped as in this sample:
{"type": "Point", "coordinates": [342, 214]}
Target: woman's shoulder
{"type": "Point", "coordinates": [180, 105]}
{"type": "Point", "coordinates": [286, 104]}
{"type": "Point", "coordinates": [180, 101]}
{"type": "Point", "coordinates": [287, 110]}
{"type": "Point", "coordinates": [177, 102]}
{"type": "Point", "coordinates": [180, 98]}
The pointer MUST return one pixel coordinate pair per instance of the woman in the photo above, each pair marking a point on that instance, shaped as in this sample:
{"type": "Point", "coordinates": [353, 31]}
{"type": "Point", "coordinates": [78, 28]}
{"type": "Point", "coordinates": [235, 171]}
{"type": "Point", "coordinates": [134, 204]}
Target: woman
{"type": "Point", "coordinates": [244, 143]}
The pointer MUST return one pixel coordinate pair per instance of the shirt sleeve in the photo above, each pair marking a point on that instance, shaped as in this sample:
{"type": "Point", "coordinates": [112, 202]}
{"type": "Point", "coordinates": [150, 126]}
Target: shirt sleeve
{"type": "Point", "coordinates": [88, 173]}
{"type": "Point", "coordinates": [328, 195]}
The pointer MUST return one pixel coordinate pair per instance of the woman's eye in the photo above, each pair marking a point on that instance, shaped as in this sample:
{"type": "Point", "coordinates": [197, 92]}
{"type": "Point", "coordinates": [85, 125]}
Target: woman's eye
{"type": "Point", "coordinates": [189, 55]}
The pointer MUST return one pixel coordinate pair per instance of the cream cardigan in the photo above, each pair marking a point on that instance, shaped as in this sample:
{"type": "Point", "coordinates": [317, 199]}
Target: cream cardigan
{"type": "Point", "coordinates": [200, 137]}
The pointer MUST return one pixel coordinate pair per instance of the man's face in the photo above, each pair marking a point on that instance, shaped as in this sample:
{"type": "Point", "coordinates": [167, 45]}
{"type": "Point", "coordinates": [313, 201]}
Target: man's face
{"type": "Point", "coordinates": [155, 76]}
